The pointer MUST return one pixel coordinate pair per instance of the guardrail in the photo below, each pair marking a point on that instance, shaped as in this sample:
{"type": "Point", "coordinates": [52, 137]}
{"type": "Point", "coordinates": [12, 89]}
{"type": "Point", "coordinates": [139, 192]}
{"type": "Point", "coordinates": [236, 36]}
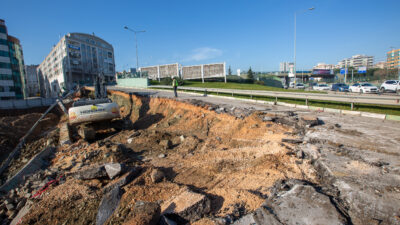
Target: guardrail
{"type": "Point", "coordinates": [350, 99]}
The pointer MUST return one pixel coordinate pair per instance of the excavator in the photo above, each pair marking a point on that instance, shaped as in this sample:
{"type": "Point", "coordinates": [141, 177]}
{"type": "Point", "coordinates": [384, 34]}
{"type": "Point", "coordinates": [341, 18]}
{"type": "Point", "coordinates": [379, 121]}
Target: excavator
{"type": "Point", "coordinates": [91, 115]}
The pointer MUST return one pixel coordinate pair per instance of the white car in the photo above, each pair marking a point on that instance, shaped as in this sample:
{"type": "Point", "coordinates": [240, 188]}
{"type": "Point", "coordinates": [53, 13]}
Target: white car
{"type": "Point", "coordinates": [299, 86]}
{"type": "Point", "coordinates": [390, 85]}
{"type": "Point", "coordinates": [321, 87]}
{"type": "Point", "coordinates": [363, 88]}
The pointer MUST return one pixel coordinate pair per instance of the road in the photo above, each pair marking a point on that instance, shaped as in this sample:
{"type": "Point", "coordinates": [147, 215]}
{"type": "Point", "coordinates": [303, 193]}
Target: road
{"type": "Point", "coordinates": [347, 98]}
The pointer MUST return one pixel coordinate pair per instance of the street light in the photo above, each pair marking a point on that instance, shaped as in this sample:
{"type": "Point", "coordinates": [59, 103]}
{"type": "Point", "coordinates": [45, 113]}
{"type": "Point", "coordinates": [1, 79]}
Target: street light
{"type": "Point", "coordinates": [137, 58]}
{"type": "Point", "coordinates": [294, 63]}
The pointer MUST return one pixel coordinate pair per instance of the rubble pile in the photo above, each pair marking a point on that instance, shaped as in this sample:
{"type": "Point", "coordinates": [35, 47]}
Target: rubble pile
{"type": "Point", "coordinates": [181, 163]}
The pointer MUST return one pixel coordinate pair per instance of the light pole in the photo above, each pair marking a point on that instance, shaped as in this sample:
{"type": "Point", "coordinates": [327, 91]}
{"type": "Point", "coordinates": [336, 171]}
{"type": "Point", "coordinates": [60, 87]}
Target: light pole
{"type": "Point", "coordinates": [137, 58]}
{"type": "Point", "coordinates": [294, 63]}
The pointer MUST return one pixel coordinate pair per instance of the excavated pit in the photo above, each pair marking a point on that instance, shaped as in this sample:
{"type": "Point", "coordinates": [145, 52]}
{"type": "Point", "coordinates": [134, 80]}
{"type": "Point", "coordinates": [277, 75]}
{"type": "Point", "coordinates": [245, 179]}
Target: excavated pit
{"type": "Point", "coordinates": [234, 160]}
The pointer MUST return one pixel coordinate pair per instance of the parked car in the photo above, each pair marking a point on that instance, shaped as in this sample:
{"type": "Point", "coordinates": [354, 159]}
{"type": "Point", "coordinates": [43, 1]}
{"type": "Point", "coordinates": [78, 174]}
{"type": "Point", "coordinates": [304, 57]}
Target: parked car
{"type": "Point", "coordinates": [299, 86]}
{"type": "Point", "coordinates": [363, 88]}
{"type": "Point", "coordinates": [321, 87]}
{"type": "Point", "coordinates": [340, 87]}
{"type": "Point", "coordinates": [390, 85]}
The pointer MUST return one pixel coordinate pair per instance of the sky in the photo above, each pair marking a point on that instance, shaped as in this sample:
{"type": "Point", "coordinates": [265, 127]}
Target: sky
{"type": "Point", "coordinates": [242, 33]}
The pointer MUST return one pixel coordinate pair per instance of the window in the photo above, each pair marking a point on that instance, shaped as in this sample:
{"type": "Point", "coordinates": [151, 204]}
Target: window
{"type": "Point", "coordinates": [3, 53]}
{"type": "Point", "coordinates": [3, 29]}
{"type": "Point", "coordinates": [5, 65]}
{"type": "Point", "coordinates": [109, 54]}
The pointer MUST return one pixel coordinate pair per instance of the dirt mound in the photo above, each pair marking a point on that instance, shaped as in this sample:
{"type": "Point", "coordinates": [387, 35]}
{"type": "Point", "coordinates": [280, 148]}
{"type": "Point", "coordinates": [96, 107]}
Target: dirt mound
{"type": "Point", "coordinates": [232, 161]}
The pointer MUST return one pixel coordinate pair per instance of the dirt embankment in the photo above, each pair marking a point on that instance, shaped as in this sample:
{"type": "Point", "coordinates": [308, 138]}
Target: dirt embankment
{"type": "Point", "coordinates": [12, 128]}
{"type": "Point", "coordinates": [230, 160]}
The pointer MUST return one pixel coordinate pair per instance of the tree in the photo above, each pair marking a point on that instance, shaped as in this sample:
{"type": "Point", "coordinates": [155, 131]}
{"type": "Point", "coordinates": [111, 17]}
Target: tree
{"type": "Point", "coordinates": [229, 71]}
{"type": "Point", "coordinates": [250, 74]}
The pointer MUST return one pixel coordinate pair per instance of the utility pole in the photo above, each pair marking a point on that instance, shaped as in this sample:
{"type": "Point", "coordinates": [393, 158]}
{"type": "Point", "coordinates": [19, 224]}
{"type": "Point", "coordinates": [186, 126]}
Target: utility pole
{"type": "Point", "coordinates": [137, 57]}
{"type": "Point", "coordinates": [294, 63]}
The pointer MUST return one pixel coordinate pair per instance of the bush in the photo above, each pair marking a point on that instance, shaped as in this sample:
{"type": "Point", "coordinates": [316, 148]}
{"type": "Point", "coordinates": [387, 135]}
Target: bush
{"type": "Point", "coordinates": [168, 81]}
{"type": "Point", "coordinates": [260, 82]}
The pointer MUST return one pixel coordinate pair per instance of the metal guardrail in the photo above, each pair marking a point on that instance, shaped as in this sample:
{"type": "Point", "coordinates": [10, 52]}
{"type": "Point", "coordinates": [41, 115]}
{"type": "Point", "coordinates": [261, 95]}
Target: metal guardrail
{"type": "Point", "coordinates": [345, 98]}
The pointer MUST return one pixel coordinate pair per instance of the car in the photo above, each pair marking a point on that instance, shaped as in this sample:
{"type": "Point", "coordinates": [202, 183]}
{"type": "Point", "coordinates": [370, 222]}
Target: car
{"type": "Point", "coordinates": [390, 85]}
{"type": "Point", "coordinates": [299, 86]}
{"type": "Point", "coordinates": [321, 87]}
{"type": "Point", "coordinates": [363, 88]}
{"type": "Point", "coordinates": [340, 87]}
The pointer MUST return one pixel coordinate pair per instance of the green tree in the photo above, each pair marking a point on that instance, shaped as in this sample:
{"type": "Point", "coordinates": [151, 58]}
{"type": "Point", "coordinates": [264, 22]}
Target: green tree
{"type": "Point", "coordinates": [250, 74]}
{"type": "Point", "coordinates": [229, 71]}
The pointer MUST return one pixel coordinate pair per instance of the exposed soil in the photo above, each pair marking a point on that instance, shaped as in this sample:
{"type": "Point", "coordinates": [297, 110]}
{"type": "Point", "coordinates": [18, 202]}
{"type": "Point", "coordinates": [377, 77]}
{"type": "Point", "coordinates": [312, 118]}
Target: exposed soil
{"type": "Point", "coordinates": [12, 128]}
{"type": "Point", "coordinates": [232, 161]}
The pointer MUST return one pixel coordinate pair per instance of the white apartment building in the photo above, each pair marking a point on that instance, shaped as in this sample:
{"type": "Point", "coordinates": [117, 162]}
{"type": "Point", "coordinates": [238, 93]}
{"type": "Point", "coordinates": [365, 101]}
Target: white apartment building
{"type": "Point", "coordinates": [357, 61]}
{"type": "Point", "coordinates": [76, 59]}
{"type": "Point", "coordinates": [285, 67]}
{"type": "Point", "coordinates": [324, 66]}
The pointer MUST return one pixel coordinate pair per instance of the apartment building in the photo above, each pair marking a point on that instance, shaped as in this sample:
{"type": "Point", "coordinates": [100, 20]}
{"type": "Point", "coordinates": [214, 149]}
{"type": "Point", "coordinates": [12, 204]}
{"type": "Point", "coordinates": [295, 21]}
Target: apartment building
{"type": "Point", "coordinates": [285, 67]}
{"type": "Point", "coordinates": [32, 82]}
{"type": "Point", "coordinates": [76, 60]}
{"type": "Point", "coordinates": [324, 66]}
{"type": "Point", "coordinates": [393, 59]}
{"type": "Point", "coordinates": [12, 71]}
{"type": "Point", "coordinates": [357, 61]}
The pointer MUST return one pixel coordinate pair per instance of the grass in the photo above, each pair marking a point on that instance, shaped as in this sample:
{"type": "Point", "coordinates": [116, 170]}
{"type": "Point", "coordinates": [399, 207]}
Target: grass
{"type": "Point", "coordinates": [381, 109]}
{"type": "Point", "coordinates": [241, 86]}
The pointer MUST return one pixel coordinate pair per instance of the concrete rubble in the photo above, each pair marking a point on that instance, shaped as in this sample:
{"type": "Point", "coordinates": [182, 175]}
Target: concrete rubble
{"type": "Point", "coordinates": [197, 162]}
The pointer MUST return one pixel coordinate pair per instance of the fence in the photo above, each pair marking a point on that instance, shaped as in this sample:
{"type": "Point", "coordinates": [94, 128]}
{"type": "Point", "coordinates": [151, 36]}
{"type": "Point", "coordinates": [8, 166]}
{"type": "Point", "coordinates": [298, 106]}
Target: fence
{"type": "Point", "coordinates": [26, 103]}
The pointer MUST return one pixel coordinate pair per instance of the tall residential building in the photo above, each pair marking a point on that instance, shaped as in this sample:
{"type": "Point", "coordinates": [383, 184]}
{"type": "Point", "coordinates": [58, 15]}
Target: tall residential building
{"type": "Point", "coordinates": [285, 67]}
{"type": "Point", "coordinates": [32, 82]}
{"type": "Point", "coordinates": [357, 61]}
{"type": "Point", "coordinates": [12, 71]}
{"type": "Point", "coordinates": [393, 59]}
{"type": "Point", "coordinates": [76, 59]}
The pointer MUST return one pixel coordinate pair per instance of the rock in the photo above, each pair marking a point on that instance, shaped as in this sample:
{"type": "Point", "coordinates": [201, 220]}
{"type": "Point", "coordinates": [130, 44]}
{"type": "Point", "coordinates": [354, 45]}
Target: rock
{"type": "Point", "coordinates": [145, 213]}
{"type": "Point", "coordinates": [167, 144]}
{"type": "Point", "coordinates": [21, 213]}
{"type": "Point", "coordinates": [181, 138]}
{"type": "Point", "coordinates": [162, 155]}
{"type": "Point", "coordinates": [21, 203]}
{"type": "Point", "coordinates": [295, 202]}
{"type": "Point", "coordinates": [292, 141]}
{"type": "Point", "coordinates": [92, 173]}
{"type": "Point", "coordinates": [188, 205]}
{"type": "Point", "coordinates": [308, 120]}
{"type": "Point", "coordinates": [123, 180]}
{"type": "Point", "coordinates": [267, 118]}
{"type": "Point", "coordinates": [129, 140]}
{"type": "Point", "coordinates": [260, 216]}
{"type": "Point", "coordinates": [157, 175]}
{"type": "Point", "coordinates": [134, 134]}
{"type": "Point", "coordinates": [11, 214]}
{"type": "Point", "coordinates": [300, 154]}
{"type": "Point", "coordinates": [10, 206]}
{"type": "Point", "coordinates": [113, 169]}
{"type": "Point", "coordinates": [166, 221]}
{"type": "Point", "coordinates": [108, 204]}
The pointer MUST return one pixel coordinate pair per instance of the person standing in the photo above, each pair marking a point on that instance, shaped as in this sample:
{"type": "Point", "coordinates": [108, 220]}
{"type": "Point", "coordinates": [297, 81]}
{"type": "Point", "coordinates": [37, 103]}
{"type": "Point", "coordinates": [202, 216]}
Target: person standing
{"type": "Point", "coordinates": [175, 86]}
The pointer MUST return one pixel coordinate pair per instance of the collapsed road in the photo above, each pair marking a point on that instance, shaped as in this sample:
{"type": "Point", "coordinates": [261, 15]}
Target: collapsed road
{"type": "Point", "coordinates": [202, 160]}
